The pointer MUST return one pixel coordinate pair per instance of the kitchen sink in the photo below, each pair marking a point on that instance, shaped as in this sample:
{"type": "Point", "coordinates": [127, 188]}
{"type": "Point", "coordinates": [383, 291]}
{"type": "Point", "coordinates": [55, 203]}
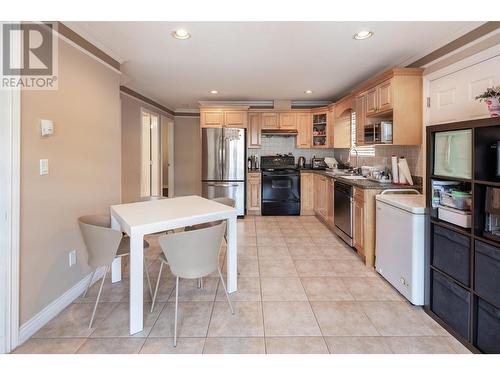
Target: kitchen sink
{"type": "Point", "coordinates": [354, 177]}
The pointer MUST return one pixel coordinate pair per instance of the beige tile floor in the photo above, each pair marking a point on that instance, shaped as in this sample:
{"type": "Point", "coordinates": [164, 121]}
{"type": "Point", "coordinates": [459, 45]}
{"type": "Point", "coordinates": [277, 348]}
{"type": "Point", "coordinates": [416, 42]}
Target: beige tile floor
{"type": "Point", "coordinates": [300, 290]}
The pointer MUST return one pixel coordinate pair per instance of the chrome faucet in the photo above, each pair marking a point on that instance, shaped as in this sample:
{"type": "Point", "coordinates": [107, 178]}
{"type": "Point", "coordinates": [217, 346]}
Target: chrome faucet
{"type": "Point", "coordinates": [353, 148]}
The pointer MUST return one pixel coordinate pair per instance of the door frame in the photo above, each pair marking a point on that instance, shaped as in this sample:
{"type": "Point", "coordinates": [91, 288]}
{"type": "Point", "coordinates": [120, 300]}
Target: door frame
{"type": "Point", "coordinates": [10, 148]}
{"type": "Point", "coordinates": [169, 128]}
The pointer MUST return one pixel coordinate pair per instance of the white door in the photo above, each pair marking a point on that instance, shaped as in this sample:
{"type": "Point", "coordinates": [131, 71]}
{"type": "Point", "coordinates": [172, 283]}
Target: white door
{"type": "Point", "coordinates": [452, 96]}
{"type": "Point", "coordinates": [150, 155]}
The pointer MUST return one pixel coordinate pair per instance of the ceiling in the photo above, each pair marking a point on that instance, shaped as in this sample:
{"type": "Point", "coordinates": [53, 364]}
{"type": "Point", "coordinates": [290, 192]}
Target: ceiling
{"type": "Point", "coordinates": [260, 60]}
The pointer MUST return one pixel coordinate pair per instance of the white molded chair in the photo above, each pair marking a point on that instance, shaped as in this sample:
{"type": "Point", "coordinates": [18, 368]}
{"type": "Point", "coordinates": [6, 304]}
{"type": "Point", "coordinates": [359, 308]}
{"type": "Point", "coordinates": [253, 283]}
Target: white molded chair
{"type": "Point", "coordinates": [104, 244]}
{"type": "Point", "coordinates": [191, 255]}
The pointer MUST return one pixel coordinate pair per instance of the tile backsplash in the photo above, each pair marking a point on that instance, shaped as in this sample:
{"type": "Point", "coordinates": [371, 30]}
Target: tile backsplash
{"type": "Point", "coordinates": [272, 145]}
{"type": "Point", "coordinates": [383, 154]}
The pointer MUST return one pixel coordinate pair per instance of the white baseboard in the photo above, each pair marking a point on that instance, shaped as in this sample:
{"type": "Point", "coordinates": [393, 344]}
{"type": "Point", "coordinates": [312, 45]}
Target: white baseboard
{"type": "Point", "coordinates": [29, 328]}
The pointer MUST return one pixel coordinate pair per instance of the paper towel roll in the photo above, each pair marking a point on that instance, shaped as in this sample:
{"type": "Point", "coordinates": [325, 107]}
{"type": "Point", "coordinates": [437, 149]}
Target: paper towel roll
{"type": "Point", "coordinates": [404, 172]}
{"type": "Point", "coordinates": [395, 174]}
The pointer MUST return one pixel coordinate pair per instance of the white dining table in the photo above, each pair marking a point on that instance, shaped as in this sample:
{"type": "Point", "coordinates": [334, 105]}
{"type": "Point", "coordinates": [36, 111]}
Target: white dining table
{"type": "Point", "coordinates": [143, 218]}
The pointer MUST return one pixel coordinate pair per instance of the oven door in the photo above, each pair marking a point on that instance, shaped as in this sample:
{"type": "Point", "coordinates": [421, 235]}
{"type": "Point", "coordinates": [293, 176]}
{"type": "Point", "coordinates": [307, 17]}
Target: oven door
{"type": "Point", "coordinates": [280, 193]}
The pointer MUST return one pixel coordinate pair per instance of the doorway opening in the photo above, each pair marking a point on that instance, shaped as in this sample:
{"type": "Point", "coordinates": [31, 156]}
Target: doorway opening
{"type": "Point", "coordinates": [150, 154]}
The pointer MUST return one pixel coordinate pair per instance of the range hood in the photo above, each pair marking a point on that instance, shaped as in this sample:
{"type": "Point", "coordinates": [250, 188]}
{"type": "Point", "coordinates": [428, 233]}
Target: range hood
{"type": "Point", "coordinates": [282, 132]}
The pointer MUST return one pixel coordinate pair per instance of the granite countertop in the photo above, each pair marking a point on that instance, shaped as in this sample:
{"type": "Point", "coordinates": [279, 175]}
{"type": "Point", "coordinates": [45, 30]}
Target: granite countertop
{"type": "Point", "coordinates": [364, 184]}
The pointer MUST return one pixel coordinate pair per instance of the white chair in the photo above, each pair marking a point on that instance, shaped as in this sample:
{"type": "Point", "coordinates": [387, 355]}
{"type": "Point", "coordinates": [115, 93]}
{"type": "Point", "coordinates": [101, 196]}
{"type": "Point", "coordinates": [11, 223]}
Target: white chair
{"type": "Point", "coordinates": [222, 200]}
{"type": "Point", "coordinates": [103, 245]}
{"type": "Point", "coordinates": [191, 255]}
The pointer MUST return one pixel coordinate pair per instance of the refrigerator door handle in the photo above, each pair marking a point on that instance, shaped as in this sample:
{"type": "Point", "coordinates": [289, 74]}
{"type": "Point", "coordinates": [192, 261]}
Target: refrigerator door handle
{"type": "Point", "coordinates": [221, 184]}
{"type": "Point", "coordinates": [221, 156]}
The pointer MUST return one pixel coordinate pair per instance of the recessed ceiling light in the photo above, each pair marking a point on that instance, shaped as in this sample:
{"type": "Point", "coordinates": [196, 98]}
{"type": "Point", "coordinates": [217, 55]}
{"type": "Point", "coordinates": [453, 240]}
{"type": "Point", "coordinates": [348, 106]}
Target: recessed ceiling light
{"type": "Point", "coordinates": [181, 34]}
{"type": "Point", "coordinates": [363, 35]}
{"type": "Point", "coordinates": [214, 92]}
{"type": "Point", "coordinates": [308, 92]}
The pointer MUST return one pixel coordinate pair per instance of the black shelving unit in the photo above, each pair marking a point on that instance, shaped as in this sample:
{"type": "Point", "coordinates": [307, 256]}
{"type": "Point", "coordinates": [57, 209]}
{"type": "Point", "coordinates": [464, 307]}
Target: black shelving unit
{"type": "Point", "coordinates": [462, 265]}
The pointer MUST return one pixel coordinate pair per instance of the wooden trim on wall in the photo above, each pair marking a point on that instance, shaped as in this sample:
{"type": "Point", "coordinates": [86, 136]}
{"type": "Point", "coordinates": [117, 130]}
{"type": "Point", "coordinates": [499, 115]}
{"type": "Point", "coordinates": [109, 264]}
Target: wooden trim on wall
{"type": "Point", "coordinates": [145, 99]}
{"type": "Point", "coordinates": [477, 33]}
{"type": "Point", "coordinates": [86, 45]}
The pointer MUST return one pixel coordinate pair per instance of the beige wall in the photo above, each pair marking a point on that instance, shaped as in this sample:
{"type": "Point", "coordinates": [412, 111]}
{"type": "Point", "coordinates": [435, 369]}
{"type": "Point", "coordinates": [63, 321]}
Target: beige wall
{"type": "Point", "coordinates": [131, 145]}
{"type": "Point", "coordinates": [84, 165]}
{"type": "Point", "coordinates": [187, 156]}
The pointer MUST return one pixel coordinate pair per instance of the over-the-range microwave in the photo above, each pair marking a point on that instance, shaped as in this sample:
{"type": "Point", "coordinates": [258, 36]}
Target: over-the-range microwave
{"type": "Point", "coordinates": [378, 133]}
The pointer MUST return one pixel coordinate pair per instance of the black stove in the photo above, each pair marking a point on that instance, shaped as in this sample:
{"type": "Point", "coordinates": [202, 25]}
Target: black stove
{"type": "Point", "coordinates": [280, 185]}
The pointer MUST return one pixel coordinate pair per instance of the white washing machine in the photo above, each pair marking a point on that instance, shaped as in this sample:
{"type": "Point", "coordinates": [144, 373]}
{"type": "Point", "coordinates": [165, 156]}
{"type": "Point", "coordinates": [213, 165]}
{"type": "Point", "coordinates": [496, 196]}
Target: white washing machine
{"type": "Point", "coordinates": [400, 242]}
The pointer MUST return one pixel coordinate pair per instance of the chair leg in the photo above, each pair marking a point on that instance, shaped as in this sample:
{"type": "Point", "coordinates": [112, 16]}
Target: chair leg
{"type": "Point", "coordinates": [176, 308]}
{"type": "Point", "coordinates": [149, 281]}
{"type": "Point", "coordinates": [225, 291]}
{"type": "Point", "coordinates": [156, 288]}
{"type": "Point", "coordinates": [89, 284]}
{"type": "Point", "coordinates": [98, 296]}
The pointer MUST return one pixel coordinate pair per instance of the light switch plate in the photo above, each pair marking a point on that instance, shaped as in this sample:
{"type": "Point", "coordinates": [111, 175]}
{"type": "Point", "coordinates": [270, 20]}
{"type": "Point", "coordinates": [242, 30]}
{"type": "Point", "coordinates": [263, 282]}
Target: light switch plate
{"type": "Point", "coordinates": [46, 128]}
{"type": "Point", "coordinates": [72, 258]}
{"type": "Point", "coordinates": [44, 167]}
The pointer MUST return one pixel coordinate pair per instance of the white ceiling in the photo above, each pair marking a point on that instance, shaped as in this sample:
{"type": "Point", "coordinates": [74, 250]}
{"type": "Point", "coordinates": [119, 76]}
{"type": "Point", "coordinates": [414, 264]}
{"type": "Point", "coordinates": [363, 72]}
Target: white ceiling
{"type": "Point", "coordinates": [260, 60]}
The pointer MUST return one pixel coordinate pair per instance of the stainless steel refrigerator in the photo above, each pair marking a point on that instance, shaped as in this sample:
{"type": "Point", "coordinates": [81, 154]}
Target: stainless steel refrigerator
{"type": "Point", "coordinates": [223, 164]}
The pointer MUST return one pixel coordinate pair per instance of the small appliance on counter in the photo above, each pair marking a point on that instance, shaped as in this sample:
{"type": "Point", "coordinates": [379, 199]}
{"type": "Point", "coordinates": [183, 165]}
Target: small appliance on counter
{"type": "Point", "coordinates": [253, 162]}
{"type": "Point", "coordinates": [318, 163]}
{"type": "Point", "coordinates": [453, 205]}
{"type": "Point", "coordinates": [492, 214]}
{"type": "Point", "coordinates": [301, 163]}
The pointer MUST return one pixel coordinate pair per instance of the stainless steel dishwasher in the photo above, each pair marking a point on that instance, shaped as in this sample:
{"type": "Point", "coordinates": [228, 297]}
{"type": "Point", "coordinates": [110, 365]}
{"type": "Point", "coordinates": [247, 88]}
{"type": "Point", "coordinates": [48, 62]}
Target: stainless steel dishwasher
{"type": "Point", "coordinates": [343, 211]}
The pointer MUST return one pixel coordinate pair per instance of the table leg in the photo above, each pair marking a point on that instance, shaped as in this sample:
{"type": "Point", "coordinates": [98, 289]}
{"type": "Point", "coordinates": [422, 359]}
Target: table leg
{"type": "Point", "coordinates": [232, 256]}
{"type": "Point", "coordinates": [136, 283]}
{"type": "Point", "coordinates": [116, 266]}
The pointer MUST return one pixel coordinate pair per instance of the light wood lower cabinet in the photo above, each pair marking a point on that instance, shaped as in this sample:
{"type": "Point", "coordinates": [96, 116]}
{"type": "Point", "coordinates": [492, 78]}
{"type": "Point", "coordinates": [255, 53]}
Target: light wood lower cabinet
{"type": "Point", "coordinates": [364, 223]}
{"type": "Point", "coordinates": [330, 219]}
{"type": "Point", "coordinates": [320, 196]}
{"type": "Point", "coordinates": [359, 221]}
{"type": "Point", "coordinates": [307, 194]}
{"type": "Point", "coordinates": [254, 193]}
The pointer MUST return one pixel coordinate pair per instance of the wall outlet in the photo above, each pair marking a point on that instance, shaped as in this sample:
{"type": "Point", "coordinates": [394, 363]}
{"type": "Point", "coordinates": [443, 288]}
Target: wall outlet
{"type": "Point", "coordinates": [72, 258]}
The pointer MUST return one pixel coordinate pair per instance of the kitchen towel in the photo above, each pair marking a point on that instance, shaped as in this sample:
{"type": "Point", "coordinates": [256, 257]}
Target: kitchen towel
{"type": "Point", "coordinates": [404, 170]}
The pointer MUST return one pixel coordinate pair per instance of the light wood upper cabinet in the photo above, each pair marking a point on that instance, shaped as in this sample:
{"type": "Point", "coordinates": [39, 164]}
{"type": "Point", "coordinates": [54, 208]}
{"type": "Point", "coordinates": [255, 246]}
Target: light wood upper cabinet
{"type": "Point", "coordinates": [212, 119]}
{"type": "Point", "coordinates": [360, 119]}
{"type": "Point", "coordinates": [342, 131]}
{"type": "Point", "coordinates": [304, 130]}
{"type": "Point", "coordinates": [218, 117]}
{"type": "Point", "coordinates": [235, 119]}
{"type": "Point", "coordinates": [253, 194]}
{"type": "Point", "coordinates": [306, 194]}
{"type": "Point", "coordinates": [384, 96]}
{"type": "Point", "coordinates": [270, 120]}
{"type": "Point", "coordinates": [320, 125]}
{"type": "Point", "coordinates": [288, 120]}
{"type": "Point", "coordinates": [254, 130]}
{"type": "Point", "coordinates": [371, 101]}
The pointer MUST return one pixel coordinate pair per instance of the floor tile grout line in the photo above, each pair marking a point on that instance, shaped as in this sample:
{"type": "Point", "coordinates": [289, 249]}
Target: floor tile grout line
{"type": "Point", "coordinates": [262, 302]}
{"type": "Point", "coordinates": [213, 304]}
{"type": "Point", "coordinates": [315, 317]}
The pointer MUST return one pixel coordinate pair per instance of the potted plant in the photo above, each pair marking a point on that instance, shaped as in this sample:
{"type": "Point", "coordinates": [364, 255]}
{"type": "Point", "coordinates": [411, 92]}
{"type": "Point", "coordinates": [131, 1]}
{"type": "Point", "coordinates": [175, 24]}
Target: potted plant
{"type": "Point", "coordinates": [492, 97]}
